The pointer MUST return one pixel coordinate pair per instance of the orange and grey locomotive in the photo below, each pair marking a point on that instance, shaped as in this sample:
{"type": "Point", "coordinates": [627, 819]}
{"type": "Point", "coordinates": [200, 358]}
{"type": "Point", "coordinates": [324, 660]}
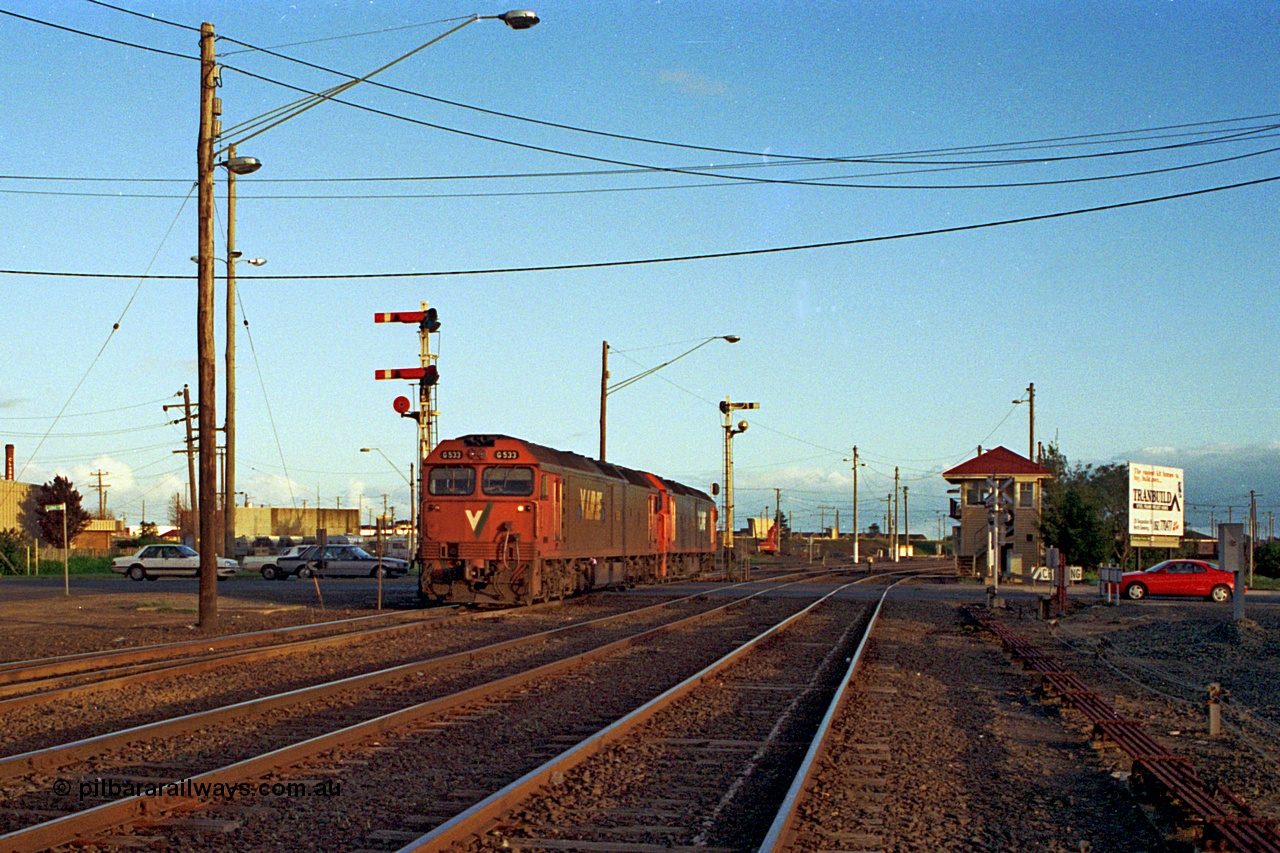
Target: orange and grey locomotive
{"type": "Point", "coordinates": [505, 521]}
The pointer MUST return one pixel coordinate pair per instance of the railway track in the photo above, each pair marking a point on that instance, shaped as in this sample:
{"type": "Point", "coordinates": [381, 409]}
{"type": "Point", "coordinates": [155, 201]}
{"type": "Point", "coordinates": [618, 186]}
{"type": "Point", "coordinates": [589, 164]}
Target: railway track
{"type": "Point", "coordinates": [119, 667]}
{"type": "Point", "coordinates": [278, 731]}
{"type": "Point", "coordinates": [703, 766]}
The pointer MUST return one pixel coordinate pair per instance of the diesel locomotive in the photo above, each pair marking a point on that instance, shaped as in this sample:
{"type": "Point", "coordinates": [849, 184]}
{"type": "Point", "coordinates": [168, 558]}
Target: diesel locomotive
{"type": "Point", "coordinates": [506, 521]}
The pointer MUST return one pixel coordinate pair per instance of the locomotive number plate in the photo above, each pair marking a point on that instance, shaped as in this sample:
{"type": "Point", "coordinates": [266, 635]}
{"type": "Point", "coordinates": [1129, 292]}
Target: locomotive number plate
{"type": "Point", "coordinates": [450, 454]}
{"type": "Point", "coordinates": [506, 454]}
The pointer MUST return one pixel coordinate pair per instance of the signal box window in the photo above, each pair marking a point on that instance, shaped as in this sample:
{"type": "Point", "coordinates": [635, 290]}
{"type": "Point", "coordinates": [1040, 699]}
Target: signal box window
{"type": "Point", "coordinates": [507, 481]}
{"type": "Point", "coordinates": [1027, 495]}
{"type": "Point", "coordinates": [452, 480]}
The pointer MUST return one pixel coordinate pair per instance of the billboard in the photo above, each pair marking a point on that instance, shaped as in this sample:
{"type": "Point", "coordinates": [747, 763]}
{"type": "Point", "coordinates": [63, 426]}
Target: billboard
{"type": "Point", "coordinates": [1156, 501]}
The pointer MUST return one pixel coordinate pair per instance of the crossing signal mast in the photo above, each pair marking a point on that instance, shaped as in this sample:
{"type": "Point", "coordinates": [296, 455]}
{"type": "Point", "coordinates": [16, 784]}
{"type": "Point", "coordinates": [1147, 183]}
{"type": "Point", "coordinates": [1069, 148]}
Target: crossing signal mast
{"type": "Point", "coordinates": [427, 374]}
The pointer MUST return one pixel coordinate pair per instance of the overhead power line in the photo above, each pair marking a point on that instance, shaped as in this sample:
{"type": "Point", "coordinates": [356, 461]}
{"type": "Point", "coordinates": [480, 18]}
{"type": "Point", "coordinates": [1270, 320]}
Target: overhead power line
{"type": "Point", "coordinates": [813, 182]}
{"type": "Point", "coordinates": [738, 253]}
{"type": "Point", "coordinates": [98, 37]}
{"type": "Point", "coordinates": [695, 172]}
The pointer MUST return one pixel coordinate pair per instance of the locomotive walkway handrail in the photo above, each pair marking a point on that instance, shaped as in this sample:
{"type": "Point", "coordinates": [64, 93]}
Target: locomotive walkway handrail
{"type": "Point", "coordinates": [97, 819]}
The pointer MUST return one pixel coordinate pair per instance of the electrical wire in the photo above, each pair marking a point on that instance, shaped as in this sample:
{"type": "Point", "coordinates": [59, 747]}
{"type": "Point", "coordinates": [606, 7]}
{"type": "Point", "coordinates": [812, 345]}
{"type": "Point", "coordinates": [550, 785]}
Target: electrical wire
{"type": "Point", "coordinates": [98, 37]}
{"type": "Point", "coordinates": [741, 253]}
{"type": "Point", "coordinates": [86, 414]}
{"type": "Point", "coordinates": [814, 182]}
{"type": "Point", "coordinates": [114, 328]}
{"type": "Point", "coordinates": [266, 399]}
{"type": "Point", "coordinates": [145, 17]}
{"type": "Point", "coordinates": [641, 170]}
{"type": "Point", "coordinates": [326, 96]}
{"type": "Point", "coordinates": [716, 150]}
{"type": "Point", "coordinates": [276, 47]}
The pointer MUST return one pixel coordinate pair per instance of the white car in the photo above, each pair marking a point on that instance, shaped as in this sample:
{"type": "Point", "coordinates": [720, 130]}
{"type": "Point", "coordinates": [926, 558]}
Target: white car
{"type": "Point", "coordinates": [167, 561]}
{"type": "Point", "coordinates": [269, 565]}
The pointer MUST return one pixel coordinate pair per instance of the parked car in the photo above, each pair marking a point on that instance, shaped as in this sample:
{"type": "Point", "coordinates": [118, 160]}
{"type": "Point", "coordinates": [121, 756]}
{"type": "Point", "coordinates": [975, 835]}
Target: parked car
{"type": "Point", "coordinates": [1196, 578]}
{"type": "Point", "coordinates": [168, 561]}
{"type": "Point", "coordinates": [269, 564]}
{"type": "Point", "coordinates": [340, 560]}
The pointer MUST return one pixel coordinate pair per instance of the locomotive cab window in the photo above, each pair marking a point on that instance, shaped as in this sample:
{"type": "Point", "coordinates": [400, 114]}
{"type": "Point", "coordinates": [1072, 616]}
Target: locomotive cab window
{"type": "Point", "coordinates": [507, 481]}
{"type": "Point", "coordinates": [451, 480]}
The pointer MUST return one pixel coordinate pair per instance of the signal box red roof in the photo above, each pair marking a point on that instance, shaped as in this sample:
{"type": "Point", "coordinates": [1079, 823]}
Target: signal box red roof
{"type": "Point", "coordinates": [999, 462]}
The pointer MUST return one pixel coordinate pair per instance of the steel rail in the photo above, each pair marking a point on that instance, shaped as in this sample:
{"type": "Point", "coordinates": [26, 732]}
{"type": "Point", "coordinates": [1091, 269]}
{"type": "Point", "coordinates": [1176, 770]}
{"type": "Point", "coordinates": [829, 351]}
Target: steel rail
{"type": "Point", "coordinates": [97, 819]}
{"type": "Point", "coordinates": [477, 820]}
{"type": "Point", "coordinates": [15, 671]}
{"type": "Point", "coordinates": [781, 834]}
{"type": "Point", "coordinates": [20, 693]}
{"type": "Point", "coordinates": [29, 692]}
{"type": "Point", "coordinates": [43, 759]}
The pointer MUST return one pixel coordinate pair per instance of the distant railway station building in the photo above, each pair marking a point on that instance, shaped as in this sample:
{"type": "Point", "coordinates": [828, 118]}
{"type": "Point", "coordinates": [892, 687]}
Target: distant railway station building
{"type": "Point", "coordinates": [1020, 553]}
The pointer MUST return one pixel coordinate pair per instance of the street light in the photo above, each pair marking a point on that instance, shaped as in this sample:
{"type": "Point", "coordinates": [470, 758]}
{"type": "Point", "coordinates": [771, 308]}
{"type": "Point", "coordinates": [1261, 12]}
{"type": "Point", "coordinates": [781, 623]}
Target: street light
{"type": "Point", "coordinates": [606, 389]}
{"type": "Point", "coordinates": [211, 133]}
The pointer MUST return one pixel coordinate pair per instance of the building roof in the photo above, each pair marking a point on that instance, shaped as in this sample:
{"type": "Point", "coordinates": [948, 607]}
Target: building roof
{"type": "Point", "coordinates": [998, 462]}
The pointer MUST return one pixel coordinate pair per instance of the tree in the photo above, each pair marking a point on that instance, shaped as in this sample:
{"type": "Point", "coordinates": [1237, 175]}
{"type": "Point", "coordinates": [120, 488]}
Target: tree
{"type": "Point", "coordinates": [59, 491]}
{"type": "Point", "coordinates": [1086, 511]}
{"type": "Point", "coordinates": [13, 547]}
{"type": "Point", "coordinates": [873, 530]}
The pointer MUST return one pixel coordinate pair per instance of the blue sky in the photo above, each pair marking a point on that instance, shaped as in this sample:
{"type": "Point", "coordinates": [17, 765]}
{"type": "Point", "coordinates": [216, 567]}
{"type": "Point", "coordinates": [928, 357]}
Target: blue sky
{"type": "Point", "coordinates": [1148, 330]}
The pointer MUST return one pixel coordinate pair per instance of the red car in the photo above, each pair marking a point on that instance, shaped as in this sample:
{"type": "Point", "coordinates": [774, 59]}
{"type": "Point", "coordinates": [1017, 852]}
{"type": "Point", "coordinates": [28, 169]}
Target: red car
{"type": "Point", "coordinates": [1179, 577]}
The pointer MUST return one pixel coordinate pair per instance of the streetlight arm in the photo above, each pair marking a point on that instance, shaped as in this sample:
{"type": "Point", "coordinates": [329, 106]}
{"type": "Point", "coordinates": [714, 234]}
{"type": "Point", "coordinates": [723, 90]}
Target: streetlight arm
{"type": "Point", "coordinates": [625, 382]}
{"type": "Point", "coordinates": [301, 105]}
{"type": "Point", "coordinates": [392, 464]}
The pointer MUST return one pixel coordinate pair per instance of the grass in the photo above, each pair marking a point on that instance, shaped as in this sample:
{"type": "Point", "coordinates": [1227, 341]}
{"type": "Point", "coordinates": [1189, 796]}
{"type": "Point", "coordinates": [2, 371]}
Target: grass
{"type": "Point", "coordinates": [155, 607]}
{"type": "Point", "coordinates": [1261, 582]}
{"type": "Point", "coordinates": [76, 565]}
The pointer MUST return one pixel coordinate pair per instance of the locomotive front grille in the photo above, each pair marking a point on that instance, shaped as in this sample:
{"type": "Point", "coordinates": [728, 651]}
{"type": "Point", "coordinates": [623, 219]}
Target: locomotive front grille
{"type": "Point", "coordinates": [473, 551]}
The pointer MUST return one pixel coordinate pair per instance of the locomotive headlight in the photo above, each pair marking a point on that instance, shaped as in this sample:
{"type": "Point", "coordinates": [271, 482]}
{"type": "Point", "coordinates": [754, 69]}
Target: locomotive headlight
{"type": "Point", "coordinates": [520, 507]}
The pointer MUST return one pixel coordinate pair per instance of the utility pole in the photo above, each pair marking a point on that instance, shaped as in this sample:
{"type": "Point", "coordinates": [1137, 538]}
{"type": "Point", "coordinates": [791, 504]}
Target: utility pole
{"type": "Point", "coordinates": [604, 392]}
{"type": "Point", "coordinates": [210, 128]}
{"type": "Point", "coordinates": [906, 512]}
{"type": "Point", "coordinates": [229, 463]}
{"type": "Point", "coordinates": [1031, 421]}
{"type": "Point", "coordinates": [1253, 530]}
{"type": "Point", "coordinates": [102, 492]}
{"type": "Point", "coordinates": [888, 519]}
{"type": "Point", "coordinates": [191, 457]}
{"type": "Point", "coordinates": [856, 533]}
{"type": "Point", "coordinates": [1030, 399]}
{"type": "Point", "coordinates": [777, 515]}
{"type": "Point", "coordinates": [895, 513]}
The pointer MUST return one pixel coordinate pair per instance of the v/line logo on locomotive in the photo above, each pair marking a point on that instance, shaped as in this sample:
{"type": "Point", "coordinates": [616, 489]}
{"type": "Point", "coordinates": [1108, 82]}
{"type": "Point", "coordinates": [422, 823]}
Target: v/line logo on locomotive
{"type": "Point", "coordinates": [591, 504]}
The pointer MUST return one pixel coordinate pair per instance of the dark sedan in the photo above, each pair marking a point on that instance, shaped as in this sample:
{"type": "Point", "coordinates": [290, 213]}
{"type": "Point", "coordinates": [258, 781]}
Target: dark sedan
{"type": "Point", "coordinates": [340, 561]}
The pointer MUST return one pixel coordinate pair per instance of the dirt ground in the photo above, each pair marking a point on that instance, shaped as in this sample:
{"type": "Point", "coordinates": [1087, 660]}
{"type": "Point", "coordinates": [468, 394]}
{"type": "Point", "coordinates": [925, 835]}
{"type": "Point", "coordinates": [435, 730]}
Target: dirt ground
{"type": "Point", "coordinates": [38, 623]}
